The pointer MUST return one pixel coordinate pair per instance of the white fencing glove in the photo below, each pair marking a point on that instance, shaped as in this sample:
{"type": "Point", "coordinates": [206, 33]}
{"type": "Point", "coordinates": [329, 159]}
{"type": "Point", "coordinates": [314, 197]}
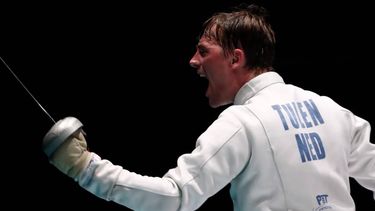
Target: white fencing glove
{"type": "Point", "coordinates": [66, 147]}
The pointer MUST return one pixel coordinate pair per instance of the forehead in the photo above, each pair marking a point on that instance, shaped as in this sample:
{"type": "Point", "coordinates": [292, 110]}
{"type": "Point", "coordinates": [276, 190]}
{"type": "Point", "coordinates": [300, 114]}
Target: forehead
{"type": "Point", "coordinates": [207, 43]}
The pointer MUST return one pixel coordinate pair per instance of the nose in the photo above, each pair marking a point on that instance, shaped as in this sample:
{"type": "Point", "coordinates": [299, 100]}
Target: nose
{"type": "Point", "coordinates": [194, 63]}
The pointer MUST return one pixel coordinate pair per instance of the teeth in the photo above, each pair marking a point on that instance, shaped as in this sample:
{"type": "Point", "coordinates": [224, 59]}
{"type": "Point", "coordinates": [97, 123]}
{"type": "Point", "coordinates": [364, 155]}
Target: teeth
{"type": "Point", "coordinates": [202, 75]}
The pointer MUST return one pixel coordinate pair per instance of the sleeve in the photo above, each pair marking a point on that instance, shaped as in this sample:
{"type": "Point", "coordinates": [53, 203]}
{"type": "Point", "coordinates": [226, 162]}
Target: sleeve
{"type": "Point", "coordinates": [221, 153]}
{"type": "Point", "coordinates": [362, 155]}
{"type": "Point", "coordinates": [113, 183]}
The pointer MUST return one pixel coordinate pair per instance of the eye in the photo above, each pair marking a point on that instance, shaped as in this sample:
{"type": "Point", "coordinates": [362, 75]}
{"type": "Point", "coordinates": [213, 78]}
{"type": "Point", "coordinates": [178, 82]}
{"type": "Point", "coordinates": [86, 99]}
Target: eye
{"type": "Point", "coordinates": [202, 51]}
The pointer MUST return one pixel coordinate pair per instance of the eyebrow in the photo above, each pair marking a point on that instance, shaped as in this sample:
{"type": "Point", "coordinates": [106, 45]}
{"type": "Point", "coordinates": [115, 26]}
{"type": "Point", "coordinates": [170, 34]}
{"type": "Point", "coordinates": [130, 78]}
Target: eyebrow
{"type": "Point", "coordinates": [199, 45]}
{"type": "Point", "coordinates": [202, 45]}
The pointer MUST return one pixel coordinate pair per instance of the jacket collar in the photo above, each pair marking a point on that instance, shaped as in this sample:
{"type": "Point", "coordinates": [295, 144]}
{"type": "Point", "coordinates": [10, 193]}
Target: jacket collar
{"type": "Point", "coordinates": [255, 85]}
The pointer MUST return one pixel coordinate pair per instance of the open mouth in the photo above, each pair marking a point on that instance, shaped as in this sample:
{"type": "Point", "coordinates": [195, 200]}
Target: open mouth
{"type": "Point", "coordinates": [203, 83]}
{"type": "Point", "coordinates": [201, 74]}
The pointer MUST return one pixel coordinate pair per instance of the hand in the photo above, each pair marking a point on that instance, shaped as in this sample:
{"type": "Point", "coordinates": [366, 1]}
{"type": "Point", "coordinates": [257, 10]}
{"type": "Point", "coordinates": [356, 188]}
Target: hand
{"type": "Point", "coordinates": [66, 147]}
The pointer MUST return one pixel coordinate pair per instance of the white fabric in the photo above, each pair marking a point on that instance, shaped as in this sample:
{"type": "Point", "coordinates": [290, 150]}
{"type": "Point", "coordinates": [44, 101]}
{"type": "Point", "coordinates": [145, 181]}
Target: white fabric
{"type": "Point", "coordinates": [280, 147]}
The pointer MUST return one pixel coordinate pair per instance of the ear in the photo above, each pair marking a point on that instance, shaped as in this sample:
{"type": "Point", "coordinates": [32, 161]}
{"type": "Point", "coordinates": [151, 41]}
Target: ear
{"type": "Point", "coordinates": [238, 58]}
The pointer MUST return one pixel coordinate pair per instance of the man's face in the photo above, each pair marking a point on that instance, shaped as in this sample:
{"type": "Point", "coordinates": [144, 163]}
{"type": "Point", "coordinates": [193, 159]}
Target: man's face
{"type": "Point", "coordinates": [211, 63]}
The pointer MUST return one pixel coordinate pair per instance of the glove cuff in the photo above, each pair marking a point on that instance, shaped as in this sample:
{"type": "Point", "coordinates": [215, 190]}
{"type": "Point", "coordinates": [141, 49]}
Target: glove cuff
{"type": "Point", "coordinates": [80, 165]}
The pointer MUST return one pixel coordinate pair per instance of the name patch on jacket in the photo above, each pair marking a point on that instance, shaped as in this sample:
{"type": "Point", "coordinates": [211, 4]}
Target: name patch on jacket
{"type": "Point", "coordinates": [304, 114]}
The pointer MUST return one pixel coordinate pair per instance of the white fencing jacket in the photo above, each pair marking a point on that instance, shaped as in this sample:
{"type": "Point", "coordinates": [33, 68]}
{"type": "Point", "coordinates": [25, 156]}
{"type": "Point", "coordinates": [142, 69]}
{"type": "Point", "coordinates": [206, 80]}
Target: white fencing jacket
{"type": "Point", "coordinates": [279, 146]}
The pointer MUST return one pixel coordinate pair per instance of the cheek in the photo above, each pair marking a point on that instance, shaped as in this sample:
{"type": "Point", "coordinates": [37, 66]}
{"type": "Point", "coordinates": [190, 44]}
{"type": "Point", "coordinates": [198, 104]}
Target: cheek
{"type": "Point", "coordinates": [215, 65]}
{"type": "Point", "coordinates": [217, 70]}
{"type": "Point", "coordinates": [217, 78]}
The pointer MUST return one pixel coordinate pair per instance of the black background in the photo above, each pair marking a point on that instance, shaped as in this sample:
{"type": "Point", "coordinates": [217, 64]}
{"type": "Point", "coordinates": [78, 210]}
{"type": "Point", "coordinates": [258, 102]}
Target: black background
{"type": "Point", "coordinates": [122, 69]}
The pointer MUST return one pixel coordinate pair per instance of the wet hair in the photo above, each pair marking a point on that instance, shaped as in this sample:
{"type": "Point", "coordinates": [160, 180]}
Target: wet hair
{"type": "Point", "coordinates": [246, 28]}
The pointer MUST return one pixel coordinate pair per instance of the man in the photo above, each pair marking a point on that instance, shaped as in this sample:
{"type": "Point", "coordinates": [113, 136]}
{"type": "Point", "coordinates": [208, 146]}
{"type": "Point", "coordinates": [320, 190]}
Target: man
{"type": "Point", "coordinates": [279, 146]}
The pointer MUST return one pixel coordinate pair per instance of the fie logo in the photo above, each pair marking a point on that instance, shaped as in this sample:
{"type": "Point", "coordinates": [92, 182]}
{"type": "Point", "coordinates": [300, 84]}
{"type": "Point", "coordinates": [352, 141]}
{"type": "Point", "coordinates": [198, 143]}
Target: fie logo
{"type": "Point", "coordinates": [322, 201]}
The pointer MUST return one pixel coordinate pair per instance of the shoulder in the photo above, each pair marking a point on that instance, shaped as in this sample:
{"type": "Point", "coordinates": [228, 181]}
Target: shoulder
{"type": "Point", "coordinates": [239, 116]}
